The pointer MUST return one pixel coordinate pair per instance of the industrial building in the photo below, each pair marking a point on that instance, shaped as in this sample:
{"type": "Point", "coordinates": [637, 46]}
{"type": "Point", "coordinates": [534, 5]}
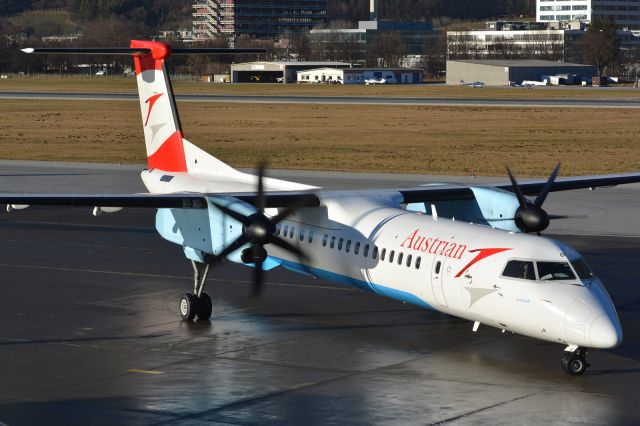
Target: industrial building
{"type": "Point", "coordinates": [360, 75]}
{"type": "Point", "coordinates": [626, 13]}
{"type": "Point", "coordinates": [276, 72]}
{"type": "Point", "coordinates": [254, 18]}
{"type": "Point", "coordinates": [506, 72]}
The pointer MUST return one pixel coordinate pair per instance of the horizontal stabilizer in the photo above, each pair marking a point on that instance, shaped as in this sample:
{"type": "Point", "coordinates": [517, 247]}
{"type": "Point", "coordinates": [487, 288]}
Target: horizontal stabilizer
{"type": "Point", "coordinates": [141, 51]}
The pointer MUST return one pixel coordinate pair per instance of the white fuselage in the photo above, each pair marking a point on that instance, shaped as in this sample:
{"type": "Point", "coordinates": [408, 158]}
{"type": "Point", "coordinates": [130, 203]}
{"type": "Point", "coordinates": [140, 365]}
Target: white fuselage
{"type": "Point", "coordinates": [453, 267]}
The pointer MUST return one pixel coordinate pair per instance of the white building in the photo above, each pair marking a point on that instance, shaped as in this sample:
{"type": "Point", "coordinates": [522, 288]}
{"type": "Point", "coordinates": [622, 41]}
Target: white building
{"type": "Point", "coordinates": [360, 75]}
{"type": "Point", "coordinates": [626, 13]}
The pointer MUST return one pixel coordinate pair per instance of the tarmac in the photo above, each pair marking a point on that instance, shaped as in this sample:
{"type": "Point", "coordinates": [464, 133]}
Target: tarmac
{"type": "Point", "coordinates": [91, 334]}
{"type": "Point", "coordinates": [342, 100]}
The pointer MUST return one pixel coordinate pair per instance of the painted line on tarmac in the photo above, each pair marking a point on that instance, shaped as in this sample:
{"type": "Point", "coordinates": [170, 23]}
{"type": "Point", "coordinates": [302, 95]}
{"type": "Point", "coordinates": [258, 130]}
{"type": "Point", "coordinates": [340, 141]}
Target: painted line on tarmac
{"type": "Point", "coordinates": [139, 274]}
{"type": "Point", "coordinates": [139, 371]}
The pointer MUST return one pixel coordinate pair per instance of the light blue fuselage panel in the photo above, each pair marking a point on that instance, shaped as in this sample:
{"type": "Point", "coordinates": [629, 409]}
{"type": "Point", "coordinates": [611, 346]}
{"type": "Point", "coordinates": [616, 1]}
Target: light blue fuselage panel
{"type": "Point", "coordinates": [206, 231]}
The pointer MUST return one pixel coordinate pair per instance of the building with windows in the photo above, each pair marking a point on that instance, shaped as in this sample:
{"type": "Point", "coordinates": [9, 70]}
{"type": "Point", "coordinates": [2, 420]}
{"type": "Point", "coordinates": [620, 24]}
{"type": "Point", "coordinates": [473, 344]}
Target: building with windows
{"type": "Point", "coordinates": [255, 18]}
{"type": "Point", "coordinates": [360, 75]}
{"type": "Point", "coordinates": [528, 40]}
{"type": "Point", "coordinates": [355, 43]}
{"type": "Point", "coordinates": [626, 13]}
{"type": "Point", "coordinates": [547, 44]}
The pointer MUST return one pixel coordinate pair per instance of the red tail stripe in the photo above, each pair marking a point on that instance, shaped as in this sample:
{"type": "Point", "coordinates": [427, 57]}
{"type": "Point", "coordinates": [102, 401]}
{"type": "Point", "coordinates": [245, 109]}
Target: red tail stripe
{"type": "Point", "coordinates": [170, 156]}
{"type": "Point", "coordinates": [153, 61]}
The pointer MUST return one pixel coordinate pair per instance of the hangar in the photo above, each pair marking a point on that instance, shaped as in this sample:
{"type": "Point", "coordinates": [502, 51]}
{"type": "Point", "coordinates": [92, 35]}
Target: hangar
{"type": "Point", "coordinates": [501, 72]}
{"type": "Point", "coordinates": [275, 72]}
{"type": "Point", "coordinates": [360, 75]}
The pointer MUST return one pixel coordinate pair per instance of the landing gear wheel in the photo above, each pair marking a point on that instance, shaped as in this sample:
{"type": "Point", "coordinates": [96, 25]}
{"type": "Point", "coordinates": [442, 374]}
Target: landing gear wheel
{"type": "Point", "coordinates": [574, 364]}
{"type": "Point", "coordinates": [204, 307]}
{"type": "Point", "coordinates": [188, 306]}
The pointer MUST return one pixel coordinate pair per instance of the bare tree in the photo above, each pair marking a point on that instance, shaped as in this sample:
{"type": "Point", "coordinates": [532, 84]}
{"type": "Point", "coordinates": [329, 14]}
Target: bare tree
{"type": "Point", "coordinates": [387, 50]}
{"type": "Point", "coordinates": [602, 45]}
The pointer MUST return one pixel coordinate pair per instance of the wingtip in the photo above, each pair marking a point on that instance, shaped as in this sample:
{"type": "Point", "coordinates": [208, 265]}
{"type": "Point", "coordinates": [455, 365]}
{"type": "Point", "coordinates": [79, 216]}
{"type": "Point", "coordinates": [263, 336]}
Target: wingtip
{"type": "Point", "coordinates": [28, 50]}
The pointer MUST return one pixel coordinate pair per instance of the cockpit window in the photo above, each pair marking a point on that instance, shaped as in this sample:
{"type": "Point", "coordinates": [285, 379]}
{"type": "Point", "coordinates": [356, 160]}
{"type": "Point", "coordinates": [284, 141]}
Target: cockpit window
{"type": "Point", "coordinates": [582, 269]}
{"type": "Point", "coordinates": [553, 271]}
{"type": "Point", "coordinates": [519, 269]}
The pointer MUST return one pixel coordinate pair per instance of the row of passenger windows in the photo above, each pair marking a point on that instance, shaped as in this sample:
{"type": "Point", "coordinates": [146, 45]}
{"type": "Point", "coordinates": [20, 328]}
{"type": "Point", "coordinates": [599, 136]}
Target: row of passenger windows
{"type": "Point", "coordinates": [348, 245]}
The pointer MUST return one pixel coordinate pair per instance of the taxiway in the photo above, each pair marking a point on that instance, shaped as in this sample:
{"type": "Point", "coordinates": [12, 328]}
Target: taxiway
{"type": "Point", "coordinates": [340, 100]}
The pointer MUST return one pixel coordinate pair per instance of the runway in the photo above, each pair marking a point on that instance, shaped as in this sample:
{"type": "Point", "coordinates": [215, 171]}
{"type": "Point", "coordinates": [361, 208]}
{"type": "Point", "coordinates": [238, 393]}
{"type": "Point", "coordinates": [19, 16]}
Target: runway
{"type": "Point", "coordinates": [340, 100]}
{"type": "Point", "coordinates": [91, 333]}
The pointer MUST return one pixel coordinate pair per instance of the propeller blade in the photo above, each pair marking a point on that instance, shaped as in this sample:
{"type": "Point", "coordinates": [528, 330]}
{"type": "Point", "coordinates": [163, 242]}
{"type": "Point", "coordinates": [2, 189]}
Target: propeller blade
{"type": "Point", "coordinates": [258, 280]}
{"type": "Point", "coordinates": [547, 186]}
{"type": "Point", "coordinates": [232, 213]}
{"type": "Point", "coordinates": [261, 199]}
{"type": "Point", "coordinates": [287, 246]}
{"type": "Point", "coordinates": [303, 259]}
{"type": "Point", "coordinates": [521, 200]}
{"type": "Point", "coordinates": [242, 240]}
{"type": "Point", "coordinates": [288, 211]}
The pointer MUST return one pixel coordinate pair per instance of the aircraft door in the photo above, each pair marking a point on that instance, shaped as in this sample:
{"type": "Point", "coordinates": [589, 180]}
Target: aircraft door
{"type": "Point", "coordinates": [437, 272]}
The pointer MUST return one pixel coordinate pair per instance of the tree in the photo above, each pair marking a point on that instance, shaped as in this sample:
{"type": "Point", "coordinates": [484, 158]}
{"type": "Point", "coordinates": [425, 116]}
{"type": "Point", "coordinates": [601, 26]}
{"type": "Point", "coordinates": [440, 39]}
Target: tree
{"type": "Point", "coordinates": [301, 46]}
{"type": "Point", "coordinates": [602, 45]}
{"type": "Point", "coordinates": [387, 50]}
{"type": "Point", "coordinates": [434, 55]}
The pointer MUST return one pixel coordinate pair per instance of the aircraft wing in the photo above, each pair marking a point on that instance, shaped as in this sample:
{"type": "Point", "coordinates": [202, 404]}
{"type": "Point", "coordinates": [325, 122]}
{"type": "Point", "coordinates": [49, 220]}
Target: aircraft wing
{"type": "Point", "coordinates": [445, 192]}
{"type": "Point", "coordinates": [578, 182]}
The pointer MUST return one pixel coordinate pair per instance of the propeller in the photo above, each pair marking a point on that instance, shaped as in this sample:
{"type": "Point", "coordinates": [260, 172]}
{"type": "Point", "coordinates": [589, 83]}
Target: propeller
{"type": "Point", "coordinates": [530, 217]}
{"type": "Point", "coordinates": [259, 230]}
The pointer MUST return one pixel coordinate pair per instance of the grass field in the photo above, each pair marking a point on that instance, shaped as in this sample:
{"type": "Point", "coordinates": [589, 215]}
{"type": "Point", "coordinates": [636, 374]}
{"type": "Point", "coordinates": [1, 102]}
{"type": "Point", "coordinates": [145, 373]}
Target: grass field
{"type": "Point", "coordinates": [438, 140]}
{"type": "Point", "coordinates": [128, 85]}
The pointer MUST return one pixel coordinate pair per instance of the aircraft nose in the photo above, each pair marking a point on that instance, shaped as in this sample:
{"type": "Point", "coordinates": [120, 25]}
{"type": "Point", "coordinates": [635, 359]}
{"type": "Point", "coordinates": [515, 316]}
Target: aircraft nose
{"type": "Point", "coordinates": [605, 332]}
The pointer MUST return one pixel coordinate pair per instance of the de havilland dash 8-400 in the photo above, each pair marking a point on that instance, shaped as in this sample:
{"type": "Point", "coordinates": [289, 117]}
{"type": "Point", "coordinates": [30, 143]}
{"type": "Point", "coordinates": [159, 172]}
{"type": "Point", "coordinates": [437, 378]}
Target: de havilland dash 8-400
{"type": "Point", "coordinates": [471, 252]}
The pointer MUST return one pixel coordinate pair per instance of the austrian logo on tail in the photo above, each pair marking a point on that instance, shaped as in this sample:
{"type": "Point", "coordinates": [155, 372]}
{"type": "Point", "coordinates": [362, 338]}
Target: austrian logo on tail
{"type": "Point", "coordinates": [151, 101]}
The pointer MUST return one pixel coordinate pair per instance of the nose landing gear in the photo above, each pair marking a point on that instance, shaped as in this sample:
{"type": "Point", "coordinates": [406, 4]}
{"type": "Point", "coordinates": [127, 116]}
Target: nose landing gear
{"type": "Point", "coordinates": [575, 362]}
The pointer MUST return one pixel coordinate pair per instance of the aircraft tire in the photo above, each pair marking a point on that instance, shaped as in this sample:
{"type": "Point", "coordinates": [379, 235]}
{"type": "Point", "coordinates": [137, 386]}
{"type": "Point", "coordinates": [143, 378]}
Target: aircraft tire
{"type": "Point", "coordinates": [574, 365]}
{"type": "Point", "coordinates": [205, 307]}
{"type": "Point", "coordinates": [188, 306]}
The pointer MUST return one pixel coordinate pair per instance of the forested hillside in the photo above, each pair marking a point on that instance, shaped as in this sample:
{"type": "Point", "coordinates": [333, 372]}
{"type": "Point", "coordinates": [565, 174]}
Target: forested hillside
{"type": "Point", "coordinates": [170, 14]}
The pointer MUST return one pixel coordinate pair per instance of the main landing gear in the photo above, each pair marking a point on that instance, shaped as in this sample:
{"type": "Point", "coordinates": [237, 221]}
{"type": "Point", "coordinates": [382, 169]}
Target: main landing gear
{"type": "Point", "coordinates": [575, 362]}
{"type": "Point", "coordinates": [197, 303]}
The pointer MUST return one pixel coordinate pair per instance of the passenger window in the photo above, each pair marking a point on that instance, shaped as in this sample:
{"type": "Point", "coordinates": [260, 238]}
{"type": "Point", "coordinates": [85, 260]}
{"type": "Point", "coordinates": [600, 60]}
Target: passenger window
{"type": "Point", "coordinates": [340, 243]}
{"type": "Point", "coordinates": [348, 246]}
{"type": "Point", "coordinates": [324, 240]}
{"type": "Point", "coordinates": [554, 271]}
{"type": "Point", "coordinates": [286, 230]}
{"type": "Point", "coordinates": [301, 234]}
{"type": "Point", "coordinates": [409, 260]}
{"type": "Point", "coordinates": [292, 231]}
{"type": "Point", "coordinates": [333, 241]}
{"type": "Point", "coordinates": [374, 254]}
{"type": "Point", "coordinates": [418, 260]}
{"type": "Point", "coordinates": [310, 236]}
{"type": "Point", "coordinates": [519, 269]}
{"type": "Point", "coordinates": [438, 264]}
{"type": "Point", "coordinates": [391, 256]}
{"type": "Point", "coordinates": [365, 252]}
{"type": "Point", "coordinates": [382, 255]}
{"type": "Point", "coordinates": [400, 258]}
{"type": "Point", "coordinates": [278, 229]}
{"type": "Point", "coordinates": [356, 250]}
